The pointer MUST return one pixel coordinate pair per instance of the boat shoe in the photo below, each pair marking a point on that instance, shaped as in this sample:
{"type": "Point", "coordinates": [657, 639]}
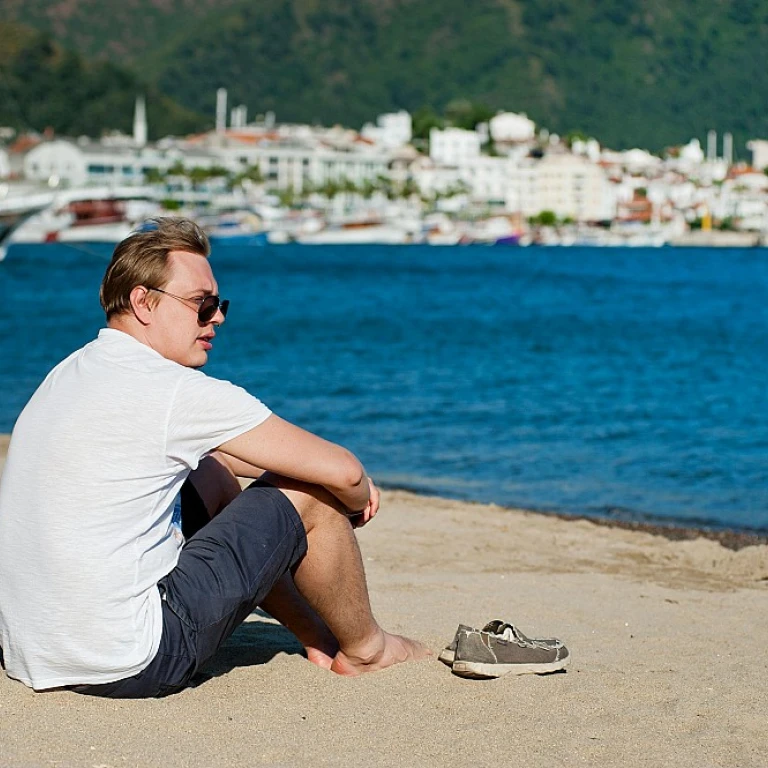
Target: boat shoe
{"type": "Point", "coordinates": [483, 654]}
{"type": "Point", "coordinates": [495, 627]}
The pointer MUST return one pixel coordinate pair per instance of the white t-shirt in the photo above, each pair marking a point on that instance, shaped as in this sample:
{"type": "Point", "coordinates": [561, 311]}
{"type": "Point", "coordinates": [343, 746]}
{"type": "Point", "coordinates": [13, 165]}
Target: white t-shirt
{"type": "Point", "coordinates": [96, 460]}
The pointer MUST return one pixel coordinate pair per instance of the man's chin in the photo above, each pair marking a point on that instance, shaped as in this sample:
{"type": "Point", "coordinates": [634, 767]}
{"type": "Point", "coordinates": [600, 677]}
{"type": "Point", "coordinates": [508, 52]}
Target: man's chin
{"type": "Point", "coordinates": [194, 361]}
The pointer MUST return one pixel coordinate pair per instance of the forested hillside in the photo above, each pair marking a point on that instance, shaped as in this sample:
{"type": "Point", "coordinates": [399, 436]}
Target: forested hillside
{"type": "Point", "coordinates": [630, 72]}
{"type": "Point", "coordinates": [44, 86]}
{"type": "Point", "coordinates": [122, 30]}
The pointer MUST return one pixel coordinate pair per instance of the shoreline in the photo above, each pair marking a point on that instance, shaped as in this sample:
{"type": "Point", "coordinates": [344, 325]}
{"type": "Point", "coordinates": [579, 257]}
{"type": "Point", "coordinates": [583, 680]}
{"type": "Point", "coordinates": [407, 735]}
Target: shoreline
{"type": "Point", "coordinates": [730, 538]}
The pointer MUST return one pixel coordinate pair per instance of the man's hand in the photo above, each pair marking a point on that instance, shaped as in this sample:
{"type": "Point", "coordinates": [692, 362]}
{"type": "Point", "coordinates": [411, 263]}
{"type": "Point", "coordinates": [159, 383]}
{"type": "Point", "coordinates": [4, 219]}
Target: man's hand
{"type": "Point", "coordinates": [361, 517]}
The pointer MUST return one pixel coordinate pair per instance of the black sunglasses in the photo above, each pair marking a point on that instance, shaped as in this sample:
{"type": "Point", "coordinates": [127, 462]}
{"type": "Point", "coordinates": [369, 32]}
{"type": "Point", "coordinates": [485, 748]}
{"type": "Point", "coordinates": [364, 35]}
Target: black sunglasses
{"type": "Point", "coordinates": [207, 307]}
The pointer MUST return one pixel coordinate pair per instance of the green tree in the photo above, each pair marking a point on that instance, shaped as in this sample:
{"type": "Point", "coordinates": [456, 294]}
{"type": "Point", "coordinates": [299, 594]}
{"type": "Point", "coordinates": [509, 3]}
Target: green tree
{"type": "Point", "coordinates": [423, 120]}
{"type": "Point", "coordinates": [154, 176]}
{"type": "Point", "coordinates": [463, 113]}
{"type": "Point", "coordinates": [727, 224]}
{"type": "Point", "coordinates": [544, 219]}
{"type": "Point", "coordinates": [251, 173]}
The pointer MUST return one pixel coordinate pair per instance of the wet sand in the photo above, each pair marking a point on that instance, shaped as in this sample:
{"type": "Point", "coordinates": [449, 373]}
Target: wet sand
{"type": "Point", "coordinates": [667, 638]}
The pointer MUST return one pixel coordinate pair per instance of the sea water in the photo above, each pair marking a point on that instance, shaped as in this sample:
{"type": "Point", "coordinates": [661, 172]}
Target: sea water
{"type": "Point", "coordinates": [628, 383]}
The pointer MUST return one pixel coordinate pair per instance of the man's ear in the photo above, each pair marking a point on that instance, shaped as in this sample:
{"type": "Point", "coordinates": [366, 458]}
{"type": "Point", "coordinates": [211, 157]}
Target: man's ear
{"type": "Point", "coordinates": [141, 304]}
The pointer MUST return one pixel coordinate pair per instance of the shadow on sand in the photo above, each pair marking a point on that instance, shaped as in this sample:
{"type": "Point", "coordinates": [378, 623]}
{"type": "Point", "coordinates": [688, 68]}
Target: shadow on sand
{"type": "Point", "coordinates": [255, 642]}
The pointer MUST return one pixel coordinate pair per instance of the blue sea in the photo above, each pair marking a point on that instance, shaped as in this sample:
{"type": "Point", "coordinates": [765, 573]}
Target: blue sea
{"type": "Point", "coordinates": [622, 383]}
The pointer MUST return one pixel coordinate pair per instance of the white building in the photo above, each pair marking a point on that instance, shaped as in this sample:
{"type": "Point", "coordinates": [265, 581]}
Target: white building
{"type": "Point", "coordinates": [744, 198]}
{"type": "Point", "coordinates": [392, 130]}
{"type": "Point", "coordinates": [634, 161]}
{"type": "Point", "coordinates": [759, 149]}
{"type": "Point", "coordinates": [294, 157]}
{"type": "Point", "coordinates": [692, 152]}
{"type": "Point", "coordinates": [590, 148]}
{"type": "Point", "coordinates": [55, 162]}
{"type": "Point", "coordinates": [485, 179]}
{"type": "Point", "coordinates": [288, 158]}
{"type": "Point", "coordinates": [569, 185]}
{"type": "Point", "coordinates": [62, 162]}
{"type": "Point", "coordinates": [453, 146]}
{"type": "Point", "coordinates": [508, 127]}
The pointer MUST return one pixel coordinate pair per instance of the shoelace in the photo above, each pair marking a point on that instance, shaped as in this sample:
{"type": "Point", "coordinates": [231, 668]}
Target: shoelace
{"type": "Point", "coordinates": [511, 633]}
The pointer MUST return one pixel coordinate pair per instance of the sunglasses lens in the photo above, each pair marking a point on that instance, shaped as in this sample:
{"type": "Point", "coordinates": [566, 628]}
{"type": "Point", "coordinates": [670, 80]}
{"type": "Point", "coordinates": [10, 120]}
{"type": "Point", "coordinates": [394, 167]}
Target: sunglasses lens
{"type": "Point", "coordinates": [210, 306]}
{"type": "Point", "coordinates": [208, 309]}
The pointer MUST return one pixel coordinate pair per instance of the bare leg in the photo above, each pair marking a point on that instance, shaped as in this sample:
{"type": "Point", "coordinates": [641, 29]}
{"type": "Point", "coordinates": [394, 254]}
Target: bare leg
{"type": "Point", "coordinates": [217, 486]}
{"type": "Point", "coordinates": [288, 606]}
{"type": "Point", "coordinates": [326, 604]}
{"type": "Point", "coordinates": [332, 580]}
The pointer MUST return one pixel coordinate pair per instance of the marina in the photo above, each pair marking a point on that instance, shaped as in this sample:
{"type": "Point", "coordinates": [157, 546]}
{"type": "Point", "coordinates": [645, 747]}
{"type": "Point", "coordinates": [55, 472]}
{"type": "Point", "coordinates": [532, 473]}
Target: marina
{"type": "Point", "coordinates": [507, 182]}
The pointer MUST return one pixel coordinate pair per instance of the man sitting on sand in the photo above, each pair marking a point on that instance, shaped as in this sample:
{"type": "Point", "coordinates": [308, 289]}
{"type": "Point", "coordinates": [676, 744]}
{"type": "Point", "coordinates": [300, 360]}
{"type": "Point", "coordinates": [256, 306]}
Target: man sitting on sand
{"type": "Point", "coordinates": [100, 590]}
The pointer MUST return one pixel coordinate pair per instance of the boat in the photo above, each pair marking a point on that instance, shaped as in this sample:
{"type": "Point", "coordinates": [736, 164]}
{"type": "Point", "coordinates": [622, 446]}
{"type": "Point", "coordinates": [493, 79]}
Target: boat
{"type": "Point", "coordinates": [357, 232]}
{"type": "Point", "coordinates": [496, 230]}
{"type": "Point", "coordinates": [234, 228]}
{"type": "Point", "coordinates": [93, 215]}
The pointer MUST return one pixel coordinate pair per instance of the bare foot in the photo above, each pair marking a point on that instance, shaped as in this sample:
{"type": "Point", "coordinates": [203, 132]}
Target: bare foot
{"type": "Point", "coordinates": [319, 657]}
{"type": "Point", "coordinates": [384, 651]}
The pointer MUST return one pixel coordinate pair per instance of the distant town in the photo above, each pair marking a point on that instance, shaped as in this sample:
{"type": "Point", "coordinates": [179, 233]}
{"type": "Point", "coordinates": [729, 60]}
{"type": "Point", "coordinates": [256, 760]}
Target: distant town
{"type": "Point", "coordinates": [508, 182]}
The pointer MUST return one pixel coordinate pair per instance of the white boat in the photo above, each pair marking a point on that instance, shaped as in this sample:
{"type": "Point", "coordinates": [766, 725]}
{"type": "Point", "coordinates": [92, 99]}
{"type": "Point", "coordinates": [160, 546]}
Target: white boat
{"type": "Point", "coordinates": [439, 229]}
{"type": "Point", "coordinates": [357, 233]}
{"type": "Point", "coordinates": [83, 216]}
{"type": "Point", "coordinates": [234, 228]}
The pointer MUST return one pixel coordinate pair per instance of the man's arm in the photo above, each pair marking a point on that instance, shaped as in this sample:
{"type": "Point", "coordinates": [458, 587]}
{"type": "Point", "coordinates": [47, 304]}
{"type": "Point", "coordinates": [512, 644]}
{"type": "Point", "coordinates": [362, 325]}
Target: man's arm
{"type": "Point", "coordinates": [238, 467]}
{"type": "Point", "coordinates": [279, 446]}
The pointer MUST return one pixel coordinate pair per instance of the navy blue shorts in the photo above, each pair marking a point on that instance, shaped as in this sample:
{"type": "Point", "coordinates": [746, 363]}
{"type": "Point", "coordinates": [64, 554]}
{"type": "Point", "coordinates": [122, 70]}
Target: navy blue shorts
{"type": "Point", "coordinates": [224, 571]}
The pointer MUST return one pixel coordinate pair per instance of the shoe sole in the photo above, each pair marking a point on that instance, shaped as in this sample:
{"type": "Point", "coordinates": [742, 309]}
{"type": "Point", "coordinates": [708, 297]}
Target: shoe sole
{"type": "Point", "coordinates": [480, 671]}
{"type": "Point", "coordinates": [447, 656]}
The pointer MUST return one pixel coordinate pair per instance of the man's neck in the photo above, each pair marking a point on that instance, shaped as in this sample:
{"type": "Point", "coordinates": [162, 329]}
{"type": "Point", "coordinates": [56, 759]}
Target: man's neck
{"type": "Point", "coordinates": [130, 325]}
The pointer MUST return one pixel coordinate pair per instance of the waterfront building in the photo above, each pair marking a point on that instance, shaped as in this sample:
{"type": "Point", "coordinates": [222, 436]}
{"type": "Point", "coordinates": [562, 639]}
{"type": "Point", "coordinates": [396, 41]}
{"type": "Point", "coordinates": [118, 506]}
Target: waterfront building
{"type": "Point", "coordinates": [589, 148]}
{"type": "Point", "coordinates": [743, 200]}
{"type": "Point", "coordinates": [633, 161]}
{"type": "Point", "coordinates": [298, 157]}
{"type": "Point", "coordinates": [392, 130]}
{"type": "Point", "coordinates": [570, 186]}
{"type": "Point", "coordinates": [18, 150]}
{"type": "Point", "coordinates": [454, 146]}
{"type": "Point", "coordinates": [484, 180]}
{"type": "Point", "coordinates": [291, 157]}
{"type": "Point", "coordinates": [582, 182]}
{"type": "Point", "coordinates": [692, 153]}
{"type": "Point", "coordinates": [759, 150]}
{"type": "Point", "coordinates": [64, 162]}
{"type": "Point", "coordinates": [510, 128]}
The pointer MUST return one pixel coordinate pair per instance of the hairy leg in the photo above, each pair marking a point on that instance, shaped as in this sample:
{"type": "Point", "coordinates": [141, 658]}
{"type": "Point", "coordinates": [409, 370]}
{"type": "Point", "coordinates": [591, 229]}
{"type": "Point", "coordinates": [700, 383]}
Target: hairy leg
{"type": "Point", "coordinates": [290, 608]}
{"type": "Point", "coordinates": [217, 486]}
{"type": "Point", "coordinates": [332, 580]}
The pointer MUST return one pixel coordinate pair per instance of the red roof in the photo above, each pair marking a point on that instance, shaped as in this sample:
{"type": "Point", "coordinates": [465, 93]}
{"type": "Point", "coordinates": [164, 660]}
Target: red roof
{"type": "Point", "coordinates": [24, 143]}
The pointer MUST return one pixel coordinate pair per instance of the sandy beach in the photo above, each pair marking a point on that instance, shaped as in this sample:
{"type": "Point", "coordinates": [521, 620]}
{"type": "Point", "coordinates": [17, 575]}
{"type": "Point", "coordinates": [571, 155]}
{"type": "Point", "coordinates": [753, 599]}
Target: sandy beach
{"type": "Point", "coordinates": [667, 638]}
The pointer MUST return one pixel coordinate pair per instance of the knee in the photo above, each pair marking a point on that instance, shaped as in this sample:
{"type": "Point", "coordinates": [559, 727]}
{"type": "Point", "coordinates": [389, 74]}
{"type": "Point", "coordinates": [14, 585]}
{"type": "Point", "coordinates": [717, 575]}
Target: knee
{"type": "Point", "coordinates": [316, 513]}
{"type": "Point", "coordinates": [316, 505]}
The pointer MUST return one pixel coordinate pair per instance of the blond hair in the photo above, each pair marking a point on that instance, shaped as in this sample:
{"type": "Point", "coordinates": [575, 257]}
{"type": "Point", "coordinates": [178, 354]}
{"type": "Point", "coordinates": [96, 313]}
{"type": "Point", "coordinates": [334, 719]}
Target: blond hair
{"type": "Point", "coordinates": [142, 259]}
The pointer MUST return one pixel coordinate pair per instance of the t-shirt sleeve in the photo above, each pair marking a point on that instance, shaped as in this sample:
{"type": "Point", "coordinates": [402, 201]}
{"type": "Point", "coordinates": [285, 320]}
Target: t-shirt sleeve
{"type": "Point", "coordinates": [206, 412]}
